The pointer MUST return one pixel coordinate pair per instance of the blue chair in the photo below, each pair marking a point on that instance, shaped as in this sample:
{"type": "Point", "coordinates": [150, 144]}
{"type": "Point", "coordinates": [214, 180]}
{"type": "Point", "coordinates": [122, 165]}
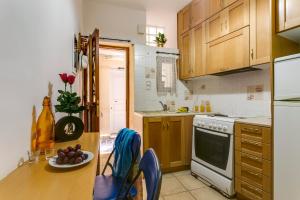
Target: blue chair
{"type": "Point", "coordinates": [150, 167]}
{"type": "Point", "coordinates": [110, 187]}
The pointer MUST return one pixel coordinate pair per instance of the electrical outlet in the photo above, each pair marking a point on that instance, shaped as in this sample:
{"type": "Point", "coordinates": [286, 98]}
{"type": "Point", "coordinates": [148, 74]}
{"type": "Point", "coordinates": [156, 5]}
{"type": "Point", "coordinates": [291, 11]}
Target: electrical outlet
{"type": "Point", "coordinates": [255, 92]}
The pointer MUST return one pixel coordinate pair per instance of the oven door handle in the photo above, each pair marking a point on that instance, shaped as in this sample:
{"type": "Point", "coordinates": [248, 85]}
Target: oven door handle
{"type": "Point", "coordinates": [212, 133]}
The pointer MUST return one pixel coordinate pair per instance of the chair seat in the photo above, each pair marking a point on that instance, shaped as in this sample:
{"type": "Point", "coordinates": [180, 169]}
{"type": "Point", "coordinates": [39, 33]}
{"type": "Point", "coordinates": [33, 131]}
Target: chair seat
{"type": "Point", "coordinates": [107, 188]}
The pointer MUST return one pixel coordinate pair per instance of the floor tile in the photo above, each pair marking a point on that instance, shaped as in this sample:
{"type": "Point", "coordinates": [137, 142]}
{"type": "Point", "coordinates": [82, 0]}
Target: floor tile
{"type": "Point", "coordinates": [171, 186]}
{"type": "Point", "coordinates": [190, 182]}
{"type": "Point", "coordinates": [182, 173]}
{"type": "Point", "coordinates": [168, 175]}
{"type": "Point", "coordinates": [179, 196]}
{"type": "Point", "coordinates": [207, 193]}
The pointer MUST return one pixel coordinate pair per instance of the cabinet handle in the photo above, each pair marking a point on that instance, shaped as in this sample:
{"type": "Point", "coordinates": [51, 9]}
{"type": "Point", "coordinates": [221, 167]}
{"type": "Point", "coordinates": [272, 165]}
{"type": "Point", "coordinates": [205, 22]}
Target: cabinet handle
{"type": "Point", "coordinates": [252, 143]}
{"type": "Point", "coordinates": [253, 173]}
{"type": "Point", "coordinates": [252, 54]}
{"type": "Point", "coordinates": [251, 130]}
{"type": "Point", "coordinates": [251, 157]}
{"type": "Point", "coordinates": [221, 27]}
{"type": "Point", "coordinates": [226, 24]}
{"type": "Point", "coordinates": [168, 125]}
{"type": "Point", "coordinates": [164, 126]}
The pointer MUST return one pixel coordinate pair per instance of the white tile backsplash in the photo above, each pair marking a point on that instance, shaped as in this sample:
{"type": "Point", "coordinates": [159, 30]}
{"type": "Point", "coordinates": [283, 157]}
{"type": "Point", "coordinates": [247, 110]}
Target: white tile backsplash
{"type": "Point", "coordinates": [227, 94]}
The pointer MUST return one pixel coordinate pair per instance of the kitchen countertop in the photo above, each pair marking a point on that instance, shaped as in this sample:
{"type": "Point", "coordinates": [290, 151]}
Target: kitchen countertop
{"type": "Point", "coordinates": [259, 121]}
{"type": "Point", "coordinates": [167, 113]}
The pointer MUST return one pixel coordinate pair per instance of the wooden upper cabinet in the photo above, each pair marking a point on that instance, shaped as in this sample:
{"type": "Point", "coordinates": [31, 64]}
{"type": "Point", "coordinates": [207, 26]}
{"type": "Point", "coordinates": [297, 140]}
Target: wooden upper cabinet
{"type": "Point", "coordinates": [215, 29]}
{"type": "Point", "coordinates": [184, 19]}
{"type": "Point", "coordinates": [198, 11]}
{"type": "Point", "coordinates": [185, 55]}
{"type": "Point", "coordinates": [198, 50]}
{"type": "Point", "coordinates": [226, 3]}
{"type": "Point", "coordinates": [288, 15]}
{"type": "Point", "coordinates": [214, 6]}
{"type": "Point", "coordinates": [236, 16]}
{"type": "Point", "coordinates": [260, 32]}
{"type": "Point", "coordinates": [232, 18]}
{"type": "Point", "coordinates": [229, 52]}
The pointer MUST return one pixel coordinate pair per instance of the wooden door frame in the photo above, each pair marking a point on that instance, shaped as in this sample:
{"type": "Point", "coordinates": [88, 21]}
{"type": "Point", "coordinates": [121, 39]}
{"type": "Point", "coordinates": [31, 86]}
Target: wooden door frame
{"type": "Point", "coordinates": [127, 68]}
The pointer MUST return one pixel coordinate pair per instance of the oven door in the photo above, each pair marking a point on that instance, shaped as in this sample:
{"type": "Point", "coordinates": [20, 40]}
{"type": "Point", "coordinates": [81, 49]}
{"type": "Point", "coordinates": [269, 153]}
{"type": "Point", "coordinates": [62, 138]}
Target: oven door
{"type": "Point", "coordinates": [213, 150]}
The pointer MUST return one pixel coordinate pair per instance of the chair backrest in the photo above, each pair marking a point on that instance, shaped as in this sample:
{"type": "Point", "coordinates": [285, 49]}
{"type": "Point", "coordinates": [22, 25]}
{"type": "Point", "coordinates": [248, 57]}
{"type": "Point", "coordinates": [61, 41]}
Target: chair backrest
{"type": "Point", "coordinates": [136, 146]}
{"type": "Point", "coordinates": [150, 167]}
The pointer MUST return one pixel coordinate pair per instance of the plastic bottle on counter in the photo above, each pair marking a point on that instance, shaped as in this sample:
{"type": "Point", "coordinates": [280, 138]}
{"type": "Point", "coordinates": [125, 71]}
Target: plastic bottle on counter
{"type": "Point", "coordinates": [202, 107]}
{"type": "Point", "coordinates": [208, 107]}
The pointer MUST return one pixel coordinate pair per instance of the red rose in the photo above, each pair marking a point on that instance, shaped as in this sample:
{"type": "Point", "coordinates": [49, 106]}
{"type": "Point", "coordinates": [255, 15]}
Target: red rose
{"type": "Point", "coordinates": [71, 79]}
{"type": "Point", "coordinates": [64, 77]}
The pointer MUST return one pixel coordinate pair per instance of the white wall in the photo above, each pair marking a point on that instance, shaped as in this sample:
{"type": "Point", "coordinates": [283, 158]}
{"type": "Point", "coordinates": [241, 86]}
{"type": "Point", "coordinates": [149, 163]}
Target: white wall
{"type": "Point", "coordinates": [228, 94]}
{"type": "Point", "coordinates": [36, 45]}
{"type": "Point", "coordinates": [167, 19]}
{"type": "Point", "coordinates": [113, 20]}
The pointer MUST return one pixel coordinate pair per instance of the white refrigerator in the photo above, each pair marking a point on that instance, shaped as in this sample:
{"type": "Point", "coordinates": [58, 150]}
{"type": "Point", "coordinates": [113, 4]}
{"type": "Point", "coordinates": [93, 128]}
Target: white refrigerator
{"type": "Point", "coordinates": [287, 128]}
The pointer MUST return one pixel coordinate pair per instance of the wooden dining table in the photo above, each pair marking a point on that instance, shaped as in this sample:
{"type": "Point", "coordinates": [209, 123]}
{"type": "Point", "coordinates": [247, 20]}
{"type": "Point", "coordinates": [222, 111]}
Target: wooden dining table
{"type": "Point", "coordinates": [40, 181]}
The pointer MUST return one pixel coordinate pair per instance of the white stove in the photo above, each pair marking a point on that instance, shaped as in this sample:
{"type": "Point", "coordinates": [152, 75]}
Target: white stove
{"type": "Point", "coordinates": [212, 153]}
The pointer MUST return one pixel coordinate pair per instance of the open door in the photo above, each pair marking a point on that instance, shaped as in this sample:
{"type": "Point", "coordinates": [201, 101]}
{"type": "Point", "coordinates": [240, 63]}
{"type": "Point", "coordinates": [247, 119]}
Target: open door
{"type": "Point", "coordinates": [91, 84]}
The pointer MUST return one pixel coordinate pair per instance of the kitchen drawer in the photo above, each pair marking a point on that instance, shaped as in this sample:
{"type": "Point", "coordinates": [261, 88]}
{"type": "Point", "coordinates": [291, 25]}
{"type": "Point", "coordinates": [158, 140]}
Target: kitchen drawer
{"type": "Point", "coordinates": [253, 162]}
{"type": "Point", "coordinates": [255, 133]}
{"type": "Point", "coordinates": [253, 177]}
{"type": "Point", "coordinates": [250, 192]}
{"type": "Point", "coordinates": [253, 148]}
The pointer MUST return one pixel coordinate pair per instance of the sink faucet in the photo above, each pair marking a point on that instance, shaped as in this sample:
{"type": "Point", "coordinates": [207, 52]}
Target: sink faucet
{"type": "Point", "coordinates": [164, 106]}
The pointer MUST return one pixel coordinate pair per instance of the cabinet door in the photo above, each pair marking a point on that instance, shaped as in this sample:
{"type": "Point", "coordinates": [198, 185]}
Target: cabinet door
{"type": "Point", "coordinates": [288, 14]}
{"type": "Point", "coordinates": [229, 52]}
{"type": "Point", "coordinates": [188, 135]}
{"type": "Point", "coordinates": [199, 11]}
{"type": "Point", "coordinates": [236, 16]}
{"type": "Point", "coordinates": [236, 54]}
{"type": "Point", "coordinates": [175, 144]}
{"type": "Point", "coordinates": [260, 32]}
{"type": "Point", "coordinates": [199, 51]}
{"type": "Point", "coordinates": [215, 57]}
{"type": "Point", "coordinates": [186, 18]}
{"type": "Point", "coordinates": [215, 27]}
{"type": "Point", "coordinates": [154, 137]}
{"type": "Point", "coordinates": [214, 6]}
{"type": "Point", "coordinates": [227, 2]}
{"type": "Point", "coordinates": [179, 23]}
{"type": "Point", "coordinates": [185, 53]}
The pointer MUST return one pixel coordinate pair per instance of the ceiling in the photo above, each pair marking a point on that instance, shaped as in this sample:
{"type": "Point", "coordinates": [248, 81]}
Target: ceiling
{"type": "Point", "coordinates": [168, 5]}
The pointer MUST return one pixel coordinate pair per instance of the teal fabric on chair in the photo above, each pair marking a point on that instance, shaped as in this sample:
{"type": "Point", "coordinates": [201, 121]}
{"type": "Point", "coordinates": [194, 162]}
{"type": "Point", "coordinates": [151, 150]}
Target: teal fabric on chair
{"type": "Point", "coordinates": [122, 154]}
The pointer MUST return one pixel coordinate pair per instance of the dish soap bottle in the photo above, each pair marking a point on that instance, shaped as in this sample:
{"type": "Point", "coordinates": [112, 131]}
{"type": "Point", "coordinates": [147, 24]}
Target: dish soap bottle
{"type": "Point", "coordinates": [208, 107]}
{"type": "Point", "coordinates": [45, 127]}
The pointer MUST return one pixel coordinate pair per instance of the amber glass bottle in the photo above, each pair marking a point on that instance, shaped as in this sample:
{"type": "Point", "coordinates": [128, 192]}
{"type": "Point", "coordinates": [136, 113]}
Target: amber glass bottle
{"type": "Point", "coordinates": [45, 127]}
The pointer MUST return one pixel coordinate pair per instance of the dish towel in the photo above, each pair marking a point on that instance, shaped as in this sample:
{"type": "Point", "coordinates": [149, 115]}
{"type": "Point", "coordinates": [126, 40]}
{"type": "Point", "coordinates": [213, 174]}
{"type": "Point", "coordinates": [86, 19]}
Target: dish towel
{"type": "Point", "coordinates": [123, 153]}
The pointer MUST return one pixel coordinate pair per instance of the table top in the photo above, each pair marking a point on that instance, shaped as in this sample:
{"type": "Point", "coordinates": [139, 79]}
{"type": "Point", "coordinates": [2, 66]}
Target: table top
{"type": "Point", "coordinates": [40, 181]}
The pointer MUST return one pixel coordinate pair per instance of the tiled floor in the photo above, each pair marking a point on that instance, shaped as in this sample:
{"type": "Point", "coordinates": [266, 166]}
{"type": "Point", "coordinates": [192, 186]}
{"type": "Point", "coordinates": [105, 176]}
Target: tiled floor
{"type": "Point", "coordinates": [183, 186]}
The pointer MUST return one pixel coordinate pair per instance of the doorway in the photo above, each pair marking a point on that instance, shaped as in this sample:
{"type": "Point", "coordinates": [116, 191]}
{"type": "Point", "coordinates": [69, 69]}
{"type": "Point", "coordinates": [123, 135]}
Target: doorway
{"type": "Point", "coordinates": [113, 94]}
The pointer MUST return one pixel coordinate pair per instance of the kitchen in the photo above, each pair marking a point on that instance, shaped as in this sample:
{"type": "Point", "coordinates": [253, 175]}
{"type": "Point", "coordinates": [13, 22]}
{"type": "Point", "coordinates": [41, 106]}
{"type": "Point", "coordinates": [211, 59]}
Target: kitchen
{"type": "Point", "coordinates": [218, 103]}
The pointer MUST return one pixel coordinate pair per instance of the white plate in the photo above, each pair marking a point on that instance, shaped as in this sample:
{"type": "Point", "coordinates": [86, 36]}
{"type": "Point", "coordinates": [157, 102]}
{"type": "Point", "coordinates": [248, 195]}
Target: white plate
{"type": "Point", "coordinates": [52, 161]}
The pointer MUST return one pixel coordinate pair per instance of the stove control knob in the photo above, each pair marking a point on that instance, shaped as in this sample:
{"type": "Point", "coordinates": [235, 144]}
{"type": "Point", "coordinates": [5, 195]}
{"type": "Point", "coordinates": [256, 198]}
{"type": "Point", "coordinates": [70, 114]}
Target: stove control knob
{"type": "Point", "coordinates": [214, 126]}
{"type": "Point", "coordinates": [220, 127]}
{"type": "Point", "coordinates": [210, 126]}
{"type": "Point", "coordinates": [225, 128]}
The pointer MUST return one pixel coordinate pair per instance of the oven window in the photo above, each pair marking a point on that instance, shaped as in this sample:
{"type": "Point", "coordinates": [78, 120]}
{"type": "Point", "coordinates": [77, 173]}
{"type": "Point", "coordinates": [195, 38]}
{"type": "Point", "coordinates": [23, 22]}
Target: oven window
{"type": "Point", "coordinates": [213, 149]}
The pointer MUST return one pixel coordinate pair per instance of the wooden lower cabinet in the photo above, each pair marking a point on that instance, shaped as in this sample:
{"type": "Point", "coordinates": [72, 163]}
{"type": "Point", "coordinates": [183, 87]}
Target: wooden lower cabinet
{"type": "Point", "coordinates": [170, 137]}
{"type": "Point", "coordinates": [253, 162]}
